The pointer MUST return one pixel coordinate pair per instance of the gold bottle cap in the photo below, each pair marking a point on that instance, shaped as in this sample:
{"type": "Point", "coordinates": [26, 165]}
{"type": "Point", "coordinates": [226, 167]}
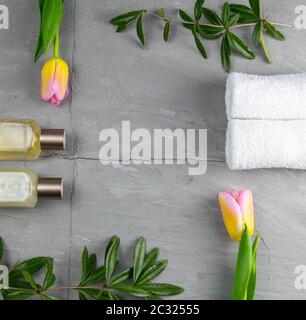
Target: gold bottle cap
{"type": "Point", "coordinates": [52, 188]}
{"type": "Point", "coordinates": [53, 139]}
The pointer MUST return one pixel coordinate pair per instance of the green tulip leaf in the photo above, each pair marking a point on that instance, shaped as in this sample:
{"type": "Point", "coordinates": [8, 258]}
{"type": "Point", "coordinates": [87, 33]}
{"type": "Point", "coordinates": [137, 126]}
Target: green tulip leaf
{"type": "Point", "coordinates": [253, 275]}
{"type": "Point", "coordinates": [243, 268]}
{"type": "Point", "coordinates": [51, 20]}
{"type": "Point", "coordinates": [39, 46]}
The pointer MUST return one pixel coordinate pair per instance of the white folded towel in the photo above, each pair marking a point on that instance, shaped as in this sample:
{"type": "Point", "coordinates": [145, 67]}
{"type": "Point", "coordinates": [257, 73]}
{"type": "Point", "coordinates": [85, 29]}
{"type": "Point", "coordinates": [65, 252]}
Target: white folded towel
{"type": "Point", "coordinates": [279, 97]}
{"type": "Point", "coordinates": [253, 144]}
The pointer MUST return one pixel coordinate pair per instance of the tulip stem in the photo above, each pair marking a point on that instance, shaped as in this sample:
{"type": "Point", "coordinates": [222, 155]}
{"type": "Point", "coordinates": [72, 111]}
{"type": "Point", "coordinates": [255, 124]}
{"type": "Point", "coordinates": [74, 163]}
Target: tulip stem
{"type": "Point", "coordinates": [56, 45]}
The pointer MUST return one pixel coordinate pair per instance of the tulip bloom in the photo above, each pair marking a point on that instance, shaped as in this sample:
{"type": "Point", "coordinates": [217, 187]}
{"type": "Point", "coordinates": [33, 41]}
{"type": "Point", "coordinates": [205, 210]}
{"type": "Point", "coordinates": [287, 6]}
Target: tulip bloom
{"type": "Point", "coordinates": [237, 211]}
{"type": "Point", "coordinates": [54, 83]}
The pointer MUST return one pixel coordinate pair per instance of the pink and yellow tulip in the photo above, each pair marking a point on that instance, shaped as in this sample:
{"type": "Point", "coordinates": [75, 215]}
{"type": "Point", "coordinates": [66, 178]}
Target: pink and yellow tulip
{"type": "Point", "coordinates": [237, 211]}
{"type": "Point", "coordinates": [54, 83]}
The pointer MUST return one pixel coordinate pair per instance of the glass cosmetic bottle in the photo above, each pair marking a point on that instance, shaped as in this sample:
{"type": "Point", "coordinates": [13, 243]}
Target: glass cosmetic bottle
{"type": "Point", "coordinates": [21, 188]}
{"type": "Point", "coordinates": [24, 140]}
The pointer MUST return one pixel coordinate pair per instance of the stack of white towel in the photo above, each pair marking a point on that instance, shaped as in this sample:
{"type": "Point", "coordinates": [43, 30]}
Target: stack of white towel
{"type": "Point", "coordinates": [266, 121]}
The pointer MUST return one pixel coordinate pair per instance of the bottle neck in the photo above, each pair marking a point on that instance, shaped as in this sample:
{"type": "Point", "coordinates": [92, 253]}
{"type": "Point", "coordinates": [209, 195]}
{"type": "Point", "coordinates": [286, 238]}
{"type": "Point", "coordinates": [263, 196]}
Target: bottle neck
{"type": "Point", "coordinates": [53, 139]}
{"type": "Point", "coordinates": [52, 188]}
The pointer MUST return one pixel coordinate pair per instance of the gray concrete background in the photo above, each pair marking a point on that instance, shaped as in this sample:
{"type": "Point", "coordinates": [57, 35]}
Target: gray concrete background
{"type": "Point", "coordinates": [163, 86]}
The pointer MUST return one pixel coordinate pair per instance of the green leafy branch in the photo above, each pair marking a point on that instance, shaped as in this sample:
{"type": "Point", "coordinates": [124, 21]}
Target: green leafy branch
{"type": "Point", "coordinates": [51, 14]}
{"type": "Point", "coordinates": [206, 24]}
{"type": "Point", "coordinates": [97, 282]}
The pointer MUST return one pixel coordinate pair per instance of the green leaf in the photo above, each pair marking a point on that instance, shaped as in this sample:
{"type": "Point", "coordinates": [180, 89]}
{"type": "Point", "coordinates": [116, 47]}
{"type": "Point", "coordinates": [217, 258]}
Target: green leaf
{"type": "Point", "coordinates": [92, 293]}
{"type": "Point", "coordinates": [255, 5]}
{"type": "Point", "coordinates": [188, 26]}
{"type": "Point", "coordinates": [198, 9]}
{"type": "Point", "coordinates": [246, 14]}
{"type": "Point", "coordinates": [225, 13]}
{"type": "Point", "coordinates": [28, 277]}
{"type": "Point", "coordinates": [150, 259]}
{"type": "Point", "coordinates": [113, 296]}
{"type": "Point", "coordinates": [125, 18]}
{"type": "Point", "coordinates": [241, 47]}
{"type": "Point", "coordinates": [233, 20]}
{"type": "Point", "coordinates": [92, 264]}
{"type": "Point", "coordinates": [31, 266]}
{"type": "Point", "coordinates": [130, 289]}
{"type": "Point", "coordinates": [244, 266]}
{"type": "Point", "coordinates": [139, 29]}
{"type": "Point", "coordinates": [47, 297]}
{"type": "Point", "coordinates": [139, 256]}
{"type": "Point", "coordinates": [199, 43]}
{"type": "Point", "coordinates": [96, 277]}
{"type": "Point", "coordinates": [84, 264]}
{"type": "Point", "coordinates": [166, 31]}
{"type": "Point", "coordinates": [152, 297]}
{"type": "Point", "coordinates": [19, 295]}
{"type": "Point", "coordinates": [51, 21]}
{"type": "Point", "coordinates": [264, 46]}
{"type": "Point", "coordinates": [109, 245]}
{"type": "Point", "coordinates": [184, 16]}
{"type": "Point", "coordinates": [1, 249]}
{"type": "Point", "coordinates": [20, 284]}
{"type": "Point", "coordinates": [82, 296]}
{"type": "Point", "coordinates": [225, 54]}
{"type": "Point", "coordinates": [273, 32]}
{"type": "Point", "coordinates": [212, 16]}
{"type": "Point", "coordinates": [124, 26]}
{"type": "Point", "coordinates": [252, 281]}
{"type": "Point", "coordinates": [122, 276]}
{"type": "Point", "coordinates": [256, 34]}
{"type": "Point", "coordinates": [162, 12]}
{"type": "Point", "coordinates": [152, 272]}
{"type": "Point", "coordinates": [111, 257]}
{"type": "Point", "coordinates": [209, 32]}
{"type": "Point", "coordinates": [103, 295]}
{"type": "Point", "coordinates": [161, 289]}
{"type": "Point", "coordinates": [50, 277]}
{"type": "Point", "coordinates": [39, 45]}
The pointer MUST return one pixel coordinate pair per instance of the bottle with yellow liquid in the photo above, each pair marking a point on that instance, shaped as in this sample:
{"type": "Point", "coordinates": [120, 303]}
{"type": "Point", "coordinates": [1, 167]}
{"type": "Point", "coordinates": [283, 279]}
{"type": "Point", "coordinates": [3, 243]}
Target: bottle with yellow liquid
{"type": "Point", "coordinates": [21, 188]}
{"type": "Point", "coordinates": [24, 140]}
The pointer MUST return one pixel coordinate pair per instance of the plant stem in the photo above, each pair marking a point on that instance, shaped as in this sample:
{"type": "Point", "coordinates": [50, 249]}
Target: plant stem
{"type": "Point", "coordinates": [56, 45]}
{"type": "Point", "coordinates": [211, 25]}
{"type": "Point", "coordinates": [57, 289]}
